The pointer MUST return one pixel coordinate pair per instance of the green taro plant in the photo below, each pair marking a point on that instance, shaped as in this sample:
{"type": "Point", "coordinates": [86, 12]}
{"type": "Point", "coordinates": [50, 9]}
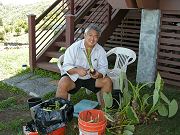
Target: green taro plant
{"type": "Point", "coordinates": [139, 105]}
{"type": "Point", "coordinates": [88, 56]}
{"type": "Point", "coordinates": [148, 105]}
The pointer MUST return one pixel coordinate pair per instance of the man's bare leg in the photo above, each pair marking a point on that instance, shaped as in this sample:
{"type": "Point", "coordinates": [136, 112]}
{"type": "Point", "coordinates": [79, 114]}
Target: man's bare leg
{"type": "Point", "coordinates": [65, 84]}
{"type": "Point", "coordinates": [106, 86]}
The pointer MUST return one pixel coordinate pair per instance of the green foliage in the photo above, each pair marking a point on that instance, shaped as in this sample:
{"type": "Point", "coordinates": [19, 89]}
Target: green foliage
{"type": "Point", "coordinates": [88, 57]}
{"type": "Point", "coordinates": [173, 108]}
{"type": "Point", "coordinates": [26, 28]}
{"type": "Point", "coordinates": [108, 100]}
{"type": "Point", "coordinates": [17, 30]}
{"type": "Point", "coordinates": [8, 28]}
{"type": "Point", "coordinates": [12, 89]}
{"type": "Point", "coordinates": [44, 73]}
{"type": "Point", "coordinates": [131, 115]}
{"type": "Point", "coordinates": [15, 125]}
{"type": "Point", "coordinates": [49, 95]}
{"type": "Point", "coordinates": [140, 105]}
{"type": "Point", "coordinates": [11, 13]}
{"type": "Point", "coordinates": [2, 34]}
{"type": "Point", "coordinates": [1, 22]}
{"type": "Point", "coordinates": [7, 103]}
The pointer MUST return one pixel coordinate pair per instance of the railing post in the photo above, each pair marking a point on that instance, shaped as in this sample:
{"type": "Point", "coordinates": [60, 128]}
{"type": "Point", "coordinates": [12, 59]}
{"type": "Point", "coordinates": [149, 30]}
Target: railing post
{"type": "Point", "coordinates": [32, 41]}
{"type": "Point", "coordinates": [72, 7]}
{"type": "Point", "coordinates": [109, 12]}
{"type": "Point", "coordinates": [69, 29]}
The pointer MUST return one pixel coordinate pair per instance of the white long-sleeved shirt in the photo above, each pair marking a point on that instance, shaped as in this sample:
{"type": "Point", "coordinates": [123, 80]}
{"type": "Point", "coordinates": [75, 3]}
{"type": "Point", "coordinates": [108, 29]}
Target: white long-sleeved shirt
{"type": "Point", "coordinates": [75, 57]}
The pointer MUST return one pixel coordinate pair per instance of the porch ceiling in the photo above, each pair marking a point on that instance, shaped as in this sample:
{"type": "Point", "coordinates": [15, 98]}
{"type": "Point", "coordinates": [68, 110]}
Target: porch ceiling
{"type": "Point", "coordinates": [147, 4]}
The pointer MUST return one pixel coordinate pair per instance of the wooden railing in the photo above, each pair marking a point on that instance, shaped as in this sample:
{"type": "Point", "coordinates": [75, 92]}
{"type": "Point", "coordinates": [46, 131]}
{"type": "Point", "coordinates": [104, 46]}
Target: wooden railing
{"type": "Point", "coordinates": [48, 26]}
{"type": "Point", "coordinates": [65, 21]}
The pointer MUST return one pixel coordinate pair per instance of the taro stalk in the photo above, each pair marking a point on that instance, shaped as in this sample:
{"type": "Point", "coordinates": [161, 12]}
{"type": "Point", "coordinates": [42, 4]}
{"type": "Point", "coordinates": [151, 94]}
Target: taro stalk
{"type": "Point", "coordinates": [88, 56]}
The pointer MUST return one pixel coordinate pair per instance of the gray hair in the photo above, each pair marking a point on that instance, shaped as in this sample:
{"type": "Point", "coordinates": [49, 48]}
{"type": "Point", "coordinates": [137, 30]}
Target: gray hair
{"type": "Point", "coordinates": [93, 27]}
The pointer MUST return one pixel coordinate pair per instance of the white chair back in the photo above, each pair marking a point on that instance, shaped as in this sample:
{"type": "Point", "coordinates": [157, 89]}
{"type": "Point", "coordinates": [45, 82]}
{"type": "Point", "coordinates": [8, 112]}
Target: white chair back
{"type": "Point", "coordinates": [124, 57]}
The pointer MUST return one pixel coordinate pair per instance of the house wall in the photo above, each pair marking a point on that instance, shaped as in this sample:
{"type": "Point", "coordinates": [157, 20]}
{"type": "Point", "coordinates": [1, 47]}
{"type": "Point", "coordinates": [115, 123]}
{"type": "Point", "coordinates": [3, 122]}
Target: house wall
{"type": "Point", "coordinates": [168, 63]}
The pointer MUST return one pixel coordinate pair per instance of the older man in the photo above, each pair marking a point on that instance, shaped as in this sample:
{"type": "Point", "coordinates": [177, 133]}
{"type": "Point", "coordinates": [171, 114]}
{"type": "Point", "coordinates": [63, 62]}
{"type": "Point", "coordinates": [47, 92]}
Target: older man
{"type": "Point", "coordinates": [76, 67]}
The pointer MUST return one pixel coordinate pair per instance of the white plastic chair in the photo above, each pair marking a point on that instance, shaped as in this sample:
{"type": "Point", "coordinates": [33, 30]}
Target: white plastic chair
{"type": "Point", "coordinates": [60, 63]}
{"type": "Point", "coordinates": [124, 57]}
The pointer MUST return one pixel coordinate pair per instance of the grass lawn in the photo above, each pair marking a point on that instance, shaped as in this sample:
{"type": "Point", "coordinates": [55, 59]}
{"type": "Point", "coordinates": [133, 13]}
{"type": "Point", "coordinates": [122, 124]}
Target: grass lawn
{"type": "Point", "coordinates": [14, 112]}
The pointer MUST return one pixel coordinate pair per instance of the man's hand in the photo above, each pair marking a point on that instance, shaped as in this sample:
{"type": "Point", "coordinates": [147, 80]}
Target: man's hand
{"type": "Point", "coordinates": [96, 75]}
{"type": "Point", "coordinates": [81, 71]}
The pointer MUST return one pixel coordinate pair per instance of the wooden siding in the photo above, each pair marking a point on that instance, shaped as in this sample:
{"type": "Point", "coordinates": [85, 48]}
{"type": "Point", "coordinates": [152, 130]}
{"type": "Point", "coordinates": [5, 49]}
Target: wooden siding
{"type": "Point", "coordinates": [127, 33]}
{"type": "Point", "coordinates": [168, 63]}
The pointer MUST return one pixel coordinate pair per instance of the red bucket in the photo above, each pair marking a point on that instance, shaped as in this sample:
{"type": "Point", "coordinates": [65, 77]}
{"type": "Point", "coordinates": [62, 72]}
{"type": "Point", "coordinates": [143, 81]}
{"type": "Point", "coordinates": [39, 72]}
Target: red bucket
{"type": "Point", "coordinates": [92, 121]}
{"type": "Point", "coordinates": [59, 131]}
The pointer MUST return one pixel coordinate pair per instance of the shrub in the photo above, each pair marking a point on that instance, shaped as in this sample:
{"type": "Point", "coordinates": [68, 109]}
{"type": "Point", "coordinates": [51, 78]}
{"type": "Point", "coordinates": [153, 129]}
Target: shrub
{"type": "Point", "coordinates": [1, 22]}
{"type": "Point", "coordinates": [17, 30]}
{"type": "Point", "coordinates": [2, 34]}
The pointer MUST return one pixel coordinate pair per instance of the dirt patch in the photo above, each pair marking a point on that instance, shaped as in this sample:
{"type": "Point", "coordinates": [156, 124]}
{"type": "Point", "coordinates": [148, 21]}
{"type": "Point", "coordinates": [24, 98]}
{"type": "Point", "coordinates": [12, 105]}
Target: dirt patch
{"type": "Point", "coordinates": [16, 115]}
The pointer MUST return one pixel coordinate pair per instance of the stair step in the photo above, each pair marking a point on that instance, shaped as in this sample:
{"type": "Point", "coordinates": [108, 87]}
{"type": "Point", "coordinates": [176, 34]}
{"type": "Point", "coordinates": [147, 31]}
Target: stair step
{"type": "Point", "coordinates": [48, 66]}
{"type": "Point", "coordinates": [60, 44]}
{"type": "Point", "coordinates": [53, 54]}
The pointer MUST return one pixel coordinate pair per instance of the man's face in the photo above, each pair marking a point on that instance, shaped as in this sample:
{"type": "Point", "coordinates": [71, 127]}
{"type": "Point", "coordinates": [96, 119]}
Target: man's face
{"type": "Point", "coordinates": [91, 38]}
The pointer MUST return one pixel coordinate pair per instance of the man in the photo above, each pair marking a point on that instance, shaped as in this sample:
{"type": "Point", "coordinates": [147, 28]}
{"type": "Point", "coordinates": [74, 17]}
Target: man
{"type": "Point", "coordinates": [76, 72]}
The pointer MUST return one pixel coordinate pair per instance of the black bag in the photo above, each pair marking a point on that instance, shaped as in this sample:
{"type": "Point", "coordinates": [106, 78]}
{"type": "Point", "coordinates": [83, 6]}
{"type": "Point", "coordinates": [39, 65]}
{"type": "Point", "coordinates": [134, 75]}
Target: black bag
{"type": "Point", "coordinates": [48, 120]}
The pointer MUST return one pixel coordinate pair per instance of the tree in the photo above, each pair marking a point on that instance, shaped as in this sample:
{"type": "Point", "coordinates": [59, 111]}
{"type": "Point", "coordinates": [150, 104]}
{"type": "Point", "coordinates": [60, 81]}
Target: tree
{"type": "Point", "coordinates": [1, 22]}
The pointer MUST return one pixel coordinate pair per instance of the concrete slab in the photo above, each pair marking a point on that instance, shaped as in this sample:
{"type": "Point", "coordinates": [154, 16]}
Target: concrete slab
{"type": "Point", "coordinates": [33, 84]}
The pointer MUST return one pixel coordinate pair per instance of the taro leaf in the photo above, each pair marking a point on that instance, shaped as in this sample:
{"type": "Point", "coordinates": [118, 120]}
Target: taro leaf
{"type": "Point", "coordinates": [158, 83]}
{"type": "Point", "coordinates": [173, 107]}
{"type": "Point", "coordinates": [126, 98]}
{"type": "Point", "coordinates": [130, 128]}
{"type": "Point", "coordinates": [131, 115]}
{"type": "Point", "coordinates": [162, 110]}
{"type": "Point", "coordinates": [155, 97]}
{"type": "Point", "coordinates": [108, 99]}
{"type": "Point", "coordinates": [164, 98]}
{"type": "Point", "coordinates": [127, 132]}
{"type": "Point", "coordinates": [145, 98]}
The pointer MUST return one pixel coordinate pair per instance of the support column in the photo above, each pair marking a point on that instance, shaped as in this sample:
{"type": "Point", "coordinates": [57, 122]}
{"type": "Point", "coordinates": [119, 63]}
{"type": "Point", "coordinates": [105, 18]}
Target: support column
{"type": "Point", "coordinates": [32, 41]}
{"type": "Point", "coordinates": [148, 43]}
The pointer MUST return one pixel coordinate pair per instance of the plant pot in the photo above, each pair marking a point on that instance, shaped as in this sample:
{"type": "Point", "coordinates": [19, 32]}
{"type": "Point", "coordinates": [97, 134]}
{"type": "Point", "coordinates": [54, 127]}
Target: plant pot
{"type": "Point", "coordinates": [148, 4]}
{"type": "Point", "coordinates": [59, 131]}
{"type": "Point", "coordinates": [123, 4]}
{"type": "Point", "coordinates": [97, 127]}
{"type": "Point", "coordinates": [34, 101]}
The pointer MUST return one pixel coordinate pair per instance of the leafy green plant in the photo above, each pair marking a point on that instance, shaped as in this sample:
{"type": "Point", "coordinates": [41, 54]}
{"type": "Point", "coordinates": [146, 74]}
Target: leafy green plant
{"type": "Point", "coordinates": [140, 105]}
{"type": "Point", "coordinates": [147, 106]}
{"type": "Point", "coordinates": [88, 56]}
